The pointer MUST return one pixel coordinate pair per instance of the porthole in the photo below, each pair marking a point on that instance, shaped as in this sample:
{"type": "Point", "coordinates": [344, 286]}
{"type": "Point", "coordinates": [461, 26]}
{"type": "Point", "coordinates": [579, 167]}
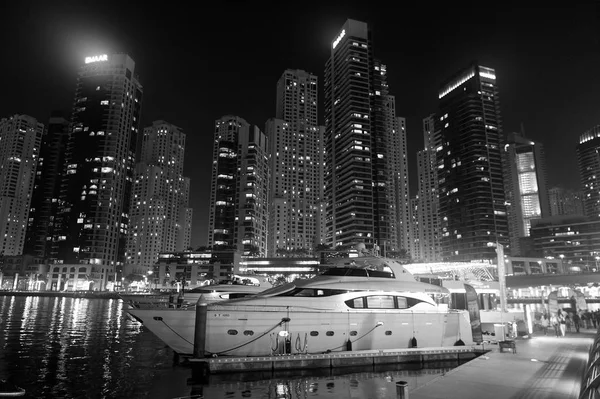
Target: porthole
{"type": "Point", "coordinates": [329, 333]}
{"type": "Point", "coordinates": [314, 333]}
{"type": "Point", "coordinates": [353, 333]}
{"type": "Point", "coordinates": [249, 332]}
{"type": "Point", "coordinates": [388, 333]}
{"type": "Point", "coordinates": [232, 332]}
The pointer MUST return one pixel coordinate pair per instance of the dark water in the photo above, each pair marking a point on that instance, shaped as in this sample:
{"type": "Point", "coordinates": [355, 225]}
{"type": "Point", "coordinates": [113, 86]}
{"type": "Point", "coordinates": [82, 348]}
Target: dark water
{"type": "Point", "coordinates": [91, 348]}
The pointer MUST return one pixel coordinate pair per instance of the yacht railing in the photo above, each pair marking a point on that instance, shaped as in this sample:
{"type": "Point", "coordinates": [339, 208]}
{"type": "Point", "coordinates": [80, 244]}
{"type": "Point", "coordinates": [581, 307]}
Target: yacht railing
{"type": "Point", "coordinates": [590, 382]}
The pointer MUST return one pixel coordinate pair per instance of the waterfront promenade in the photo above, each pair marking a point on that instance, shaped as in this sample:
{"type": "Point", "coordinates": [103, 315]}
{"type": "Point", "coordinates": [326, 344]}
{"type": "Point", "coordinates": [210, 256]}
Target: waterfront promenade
{"type": "Point", "coordinates": [544, 367]}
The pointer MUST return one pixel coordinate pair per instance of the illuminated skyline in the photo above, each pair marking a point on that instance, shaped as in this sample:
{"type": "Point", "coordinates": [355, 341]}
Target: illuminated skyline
{"type": "Point", "coordinates": [194, 71]}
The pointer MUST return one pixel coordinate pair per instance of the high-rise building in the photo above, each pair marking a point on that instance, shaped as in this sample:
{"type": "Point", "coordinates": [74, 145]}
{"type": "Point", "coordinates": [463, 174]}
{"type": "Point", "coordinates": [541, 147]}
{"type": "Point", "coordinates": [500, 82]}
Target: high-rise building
{"type": "Point", "coordinates": [100, 158]}
{"type": "Point", "coordinates": [20, 140]}
{"type": "Point", "coordinates": [159, 209]}
{"type": "Point", "coordinates": [565, 201]}
{"type": "Point", "coordinates": [46, 193]}
{"type": "Point", "coordinates": [473, 212]}
{"type": "Point", "coordinates": [238, 209]}
{"type": "Point", "coordinates": [526, 187]}
{"type": "Point", "coordinates": [296, 164]}
{"type": "Point", "coordinates": [589, 171]}
{"type": "Point", "coordinates": [427, 222]}
{"type": "Point", "coordinates": [360, 134]}
{"type": "Point", "coordinates": [402, 232]}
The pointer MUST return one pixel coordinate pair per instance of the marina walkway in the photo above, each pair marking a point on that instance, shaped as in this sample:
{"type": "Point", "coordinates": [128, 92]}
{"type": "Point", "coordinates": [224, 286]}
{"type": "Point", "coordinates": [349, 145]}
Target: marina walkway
{"type": "Point", "coordinates": [544, 367]}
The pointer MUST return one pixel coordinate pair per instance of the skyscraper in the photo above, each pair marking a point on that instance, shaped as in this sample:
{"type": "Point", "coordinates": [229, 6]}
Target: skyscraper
{"type": "Point", "coordinates": [238, 208]}
{"type": "Point", "coordinates": [360, 187]}
{"type": "Point", "coordinates": [20, 139]}
{"type": "Point", "coordinates": [470, 171]}
{"type": "Point", "coordinates": [427, 220]}
{"type": "Point", "coordinates": [46, 193]}
{"type": "Point", "coordinates": [160, 199]}
{"type": "Point", "coordinates": [526, 187]}
{"type": "Point", "coordinates": [100, 157]}
{"type": "Point", "coordinates": [296, 164]}
{"type": "Point", "coordinates": [589, 171]}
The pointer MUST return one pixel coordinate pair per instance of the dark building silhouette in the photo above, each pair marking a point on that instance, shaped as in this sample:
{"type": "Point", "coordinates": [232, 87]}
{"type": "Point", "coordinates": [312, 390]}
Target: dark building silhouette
{"type": "Point", "coordinates": [362, 141]}
{"type": "Point", "coordinates": [20, 139]}
{"type": "Point", "coordinates": [589, 171]}
{"type": "Point", "coordinates": [472, 200]}
{"type": "Point", "coordinates": [46, 191]}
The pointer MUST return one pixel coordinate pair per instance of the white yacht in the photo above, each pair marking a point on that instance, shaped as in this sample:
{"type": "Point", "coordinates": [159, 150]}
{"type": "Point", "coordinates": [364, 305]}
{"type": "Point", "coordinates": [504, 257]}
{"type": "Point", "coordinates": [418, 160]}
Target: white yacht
{"type": "Point", "coordinates": [367, 303]}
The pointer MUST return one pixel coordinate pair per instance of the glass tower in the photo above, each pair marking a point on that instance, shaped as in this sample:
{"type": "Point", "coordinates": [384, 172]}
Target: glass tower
{"type": "Point", "coordinates": [472, 203]}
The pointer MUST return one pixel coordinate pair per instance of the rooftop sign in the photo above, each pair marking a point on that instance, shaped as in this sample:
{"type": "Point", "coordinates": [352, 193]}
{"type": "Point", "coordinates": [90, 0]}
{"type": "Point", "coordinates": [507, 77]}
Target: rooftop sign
{"type": "Point", "coordinates": [340, 36]}
{"type": "Point", "coordinates": [96, 58]}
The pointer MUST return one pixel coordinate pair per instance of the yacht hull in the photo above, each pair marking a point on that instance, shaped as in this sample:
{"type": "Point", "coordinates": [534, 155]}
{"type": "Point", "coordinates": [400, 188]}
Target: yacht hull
{"type": "Point", "coordinates": [267, 331]}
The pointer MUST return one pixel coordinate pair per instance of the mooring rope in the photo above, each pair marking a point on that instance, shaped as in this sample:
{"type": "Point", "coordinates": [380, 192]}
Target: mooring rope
{"type": "Point", "coordinates": [283, 320]}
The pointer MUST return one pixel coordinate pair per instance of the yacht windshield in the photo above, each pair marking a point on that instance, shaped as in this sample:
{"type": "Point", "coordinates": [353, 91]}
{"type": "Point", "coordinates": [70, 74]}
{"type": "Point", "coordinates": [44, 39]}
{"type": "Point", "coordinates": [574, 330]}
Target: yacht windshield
{"type": "Point", "coordinates": [384, 271]}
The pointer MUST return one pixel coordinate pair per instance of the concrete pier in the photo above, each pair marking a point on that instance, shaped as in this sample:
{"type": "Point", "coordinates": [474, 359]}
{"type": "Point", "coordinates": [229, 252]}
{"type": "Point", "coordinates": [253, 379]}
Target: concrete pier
{"type": "Point", "coordinates": [339, 359]}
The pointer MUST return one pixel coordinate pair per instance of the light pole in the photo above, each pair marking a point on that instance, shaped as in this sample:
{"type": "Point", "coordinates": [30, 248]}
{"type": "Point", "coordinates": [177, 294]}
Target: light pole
{"type": "Point", "coordinates": [501, 273]}
{"type": "Point", "coordinates": [150, 272]}
{"type": "Point", "coordinates": [562, 262]}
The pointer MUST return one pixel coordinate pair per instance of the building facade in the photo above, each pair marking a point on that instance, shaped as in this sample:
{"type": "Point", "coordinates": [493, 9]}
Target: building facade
{"type": "Point", "coordinates": [238, 209]}
{"type": "Point", "coordinates": [526, 187]}
{"type": "Point", "coordinates": [589, 171]}
{"type": "Point", "coordinates": [296, 163]}
{"type": "Point", "coordinates": [159, 207]}
{"type": "Point", "coordinates": [20, 140]}
{"type": "Point", "coordinates": [93, 218]}
{"type": "Point", "coordinates": [565, 201]}
{"type": "Point", "coordinates": [360, 189]}
{"type": "Point", "coordinates": [427, 224]}
{"type": "Point", "coordinates": [573, 240]}
{"type": "Point", "coordinates": [472, 201]}
{"type": "Point", "coordinates": [46, 192]}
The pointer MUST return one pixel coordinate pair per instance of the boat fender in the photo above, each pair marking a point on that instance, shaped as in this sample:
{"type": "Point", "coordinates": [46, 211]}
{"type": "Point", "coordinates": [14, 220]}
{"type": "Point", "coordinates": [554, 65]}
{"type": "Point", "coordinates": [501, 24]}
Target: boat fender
{"type": "Point", "coordinates": [349, 345]}
{"type": "Point", "coordinates": [179, 301]}
{"type": "Point", "coordinates": [413, 342]}
{"type": "Point", "coordinates": [288, 346]}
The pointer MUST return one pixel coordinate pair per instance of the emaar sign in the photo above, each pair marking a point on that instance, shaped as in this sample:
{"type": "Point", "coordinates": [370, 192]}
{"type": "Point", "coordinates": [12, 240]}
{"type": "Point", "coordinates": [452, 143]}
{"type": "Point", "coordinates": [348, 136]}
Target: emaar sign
{"type": "Point", "coordinates": [96, 58]}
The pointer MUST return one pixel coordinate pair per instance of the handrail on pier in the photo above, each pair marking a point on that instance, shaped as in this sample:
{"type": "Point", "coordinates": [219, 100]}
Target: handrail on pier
{"type": "Point", "coordinates": [591, 377]}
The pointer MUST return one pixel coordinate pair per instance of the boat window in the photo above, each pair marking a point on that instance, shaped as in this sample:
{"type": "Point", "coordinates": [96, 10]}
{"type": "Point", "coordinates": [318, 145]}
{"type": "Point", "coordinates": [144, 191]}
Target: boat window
{"type": "Point", "coordinates": [314, 333]}
{"type": "Point", "coordinates": [356, 303]}
{"type": "Point", "coordinates": [200, 290]}
{"type": "Point", "coordinates": [380, 302]}
{"type": "Point", "coordinates": [388, 332]}
{"type": "Point", "coordinates": [249, 332]}
{"type": "Point", "coordinates": [405, 303]}
{"type": "Point", "coordinates": [380, 273]}
{"type": "Point", "coordinates": [312, 292]}
{"type": "Point", "coordinates": [353, 333]}
{"type": "Point", "coordinates": [402, 302]}
{"type": "Point", "coordinates": [336, 271]}
{"type": "Point", "coordinates": [357, 272]}
{"type": "Point", "coordinates": [232, 332]}
{"type": "Point", "coordinates": [329, 333]}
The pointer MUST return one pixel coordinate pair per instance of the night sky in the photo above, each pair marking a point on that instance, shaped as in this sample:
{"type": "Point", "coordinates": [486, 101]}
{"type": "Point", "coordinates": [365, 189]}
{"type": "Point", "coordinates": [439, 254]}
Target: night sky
{"type": "Point", "coordinates": [198, 64]}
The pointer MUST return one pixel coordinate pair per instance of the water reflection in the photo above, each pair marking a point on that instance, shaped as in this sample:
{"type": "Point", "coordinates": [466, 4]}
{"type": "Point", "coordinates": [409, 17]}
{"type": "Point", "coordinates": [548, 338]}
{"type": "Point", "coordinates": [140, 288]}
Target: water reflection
{"type": "Point", "coordinates": [91, 348]}
{"type": "Point", "coordinates": [377, 382]}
